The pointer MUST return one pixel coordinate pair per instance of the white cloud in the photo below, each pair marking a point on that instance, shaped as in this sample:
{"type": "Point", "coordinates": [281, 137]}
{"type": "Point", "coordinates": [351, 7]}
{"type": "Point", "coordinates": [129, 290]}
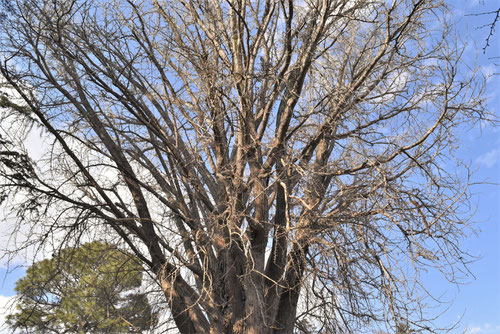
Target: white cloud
{"type": "Point", "coordinates": [489, 71]}
{"type": "Point", "coordinates": [12, 237]}
{"type": "Point", "coordinates": [36, 143]}
{"type": "Point", "coordinates": [484, 329]}
{"type": "Point", "coordinates": [5, 309]}
{"type": "Point", "coordinates": [489, 159]}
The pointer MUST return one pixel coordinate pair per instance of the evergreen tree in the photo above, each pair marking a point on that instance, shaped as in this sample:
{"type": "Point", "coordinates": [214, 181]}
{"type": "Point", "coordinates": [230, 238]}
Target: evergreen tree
{"type": "Point", "coordinates": [90, 289]}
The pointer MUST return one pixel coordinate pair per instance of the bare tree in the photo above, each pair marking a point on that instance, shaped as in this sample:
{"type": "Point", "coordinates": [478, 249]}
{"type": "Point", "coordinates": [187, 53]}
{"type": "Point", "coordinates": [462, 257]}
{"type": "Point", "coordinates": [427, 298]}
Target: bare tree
{"type": "Point", "coordinates": [278, 166]}
{"type": "Point", "coordinates": [492, 17]}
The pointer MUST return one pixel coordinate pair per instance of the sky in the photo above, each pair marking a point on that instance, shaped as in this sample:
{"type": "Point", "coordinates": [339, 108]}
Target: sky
{"type": "Point", "coordinates": [477, 303]}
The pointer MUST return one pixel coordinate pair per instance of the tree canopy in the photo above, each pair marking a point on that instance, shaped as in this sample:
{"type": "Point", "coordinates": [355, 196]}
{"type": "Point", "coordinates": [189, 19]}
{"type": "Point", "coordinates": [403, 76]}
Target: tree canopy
{"type": "Point", "coordinates": [278, 166]}
{"type": "Point", "coordinates": [90, 289]}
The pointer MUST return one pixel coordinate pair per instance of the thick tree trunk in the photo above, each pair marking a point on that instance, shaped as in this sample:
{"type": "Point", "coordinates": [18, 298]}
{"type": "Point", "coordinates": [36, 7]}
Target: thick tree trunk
{"type": "Point", "coordinates": [186, 313]}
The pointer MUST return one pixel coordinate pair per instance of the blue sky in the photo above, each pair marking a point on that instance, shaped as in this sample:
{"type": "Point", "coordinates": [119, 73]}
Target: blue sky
{"type": "Point", "coordinates": [479, 299]}
{"type": "Point", "coordinates": [477, 302]}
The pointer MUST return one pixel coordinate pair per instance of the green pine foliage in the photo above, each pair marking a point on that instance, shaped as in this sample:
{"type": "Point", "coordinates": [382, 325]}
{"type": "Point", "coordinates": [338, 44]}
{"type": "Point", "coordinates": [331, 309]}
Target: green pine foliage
{"type": "Point", "coordinates": [90, 289]}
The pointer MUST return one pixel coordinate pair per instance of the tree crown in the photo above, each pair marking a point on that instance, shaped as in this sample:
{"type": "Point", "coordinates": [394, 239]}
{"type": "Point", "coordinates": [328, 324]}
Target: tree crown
{"type": "Point", "coordinates": [274, 164]}
{"type": "Point", "coordinates": [89, 289]}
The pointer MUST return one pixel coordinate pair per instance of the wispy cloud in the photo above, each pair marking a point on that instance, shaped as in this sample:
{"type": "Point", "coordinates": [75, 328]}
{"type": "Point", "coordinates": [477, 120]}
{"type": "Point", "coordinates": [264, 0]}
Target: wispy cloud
{"type": "Point", "coordinates": [484, 329]}
{"type": "Point", "coordinates": [489, 159]}
{"type": "Point", "coordinates": [489, 71]}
